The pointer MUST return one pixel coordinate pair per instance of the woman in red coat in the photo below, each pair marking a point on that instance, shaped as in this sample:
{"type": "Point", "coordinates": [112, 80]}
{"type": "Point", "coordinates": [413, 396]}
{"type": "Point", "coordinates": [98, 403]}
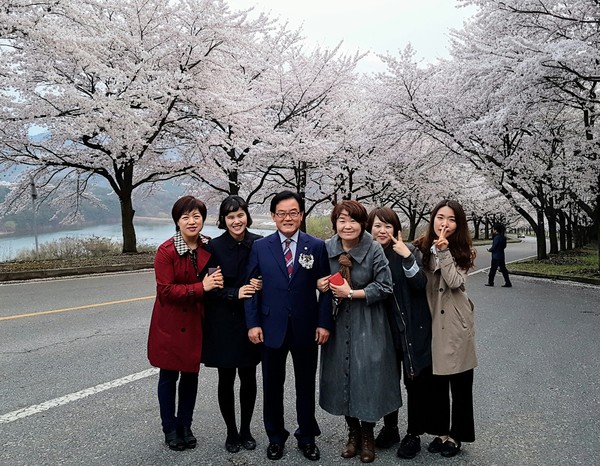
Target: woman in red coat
{"type": "Point", "coordinates": [175, 338]}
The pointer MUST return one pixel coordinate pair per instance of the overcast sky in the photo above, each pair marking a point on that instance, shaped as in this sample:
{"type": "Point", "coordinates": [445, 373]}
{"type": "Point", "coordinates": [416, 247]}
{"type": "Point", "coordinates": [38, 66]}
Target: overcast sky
{"type": "Point", "coordinates": [378, 25]}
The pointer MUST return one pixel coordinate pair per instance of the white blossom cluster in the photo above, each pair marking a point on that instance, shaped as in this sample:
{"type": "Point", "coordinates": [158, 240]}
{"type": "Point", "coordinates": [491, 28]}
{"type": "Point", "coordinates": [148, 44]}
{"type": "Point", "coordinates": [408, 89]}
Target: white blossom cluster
{"type": "Point", "coordinates": [139, 92]}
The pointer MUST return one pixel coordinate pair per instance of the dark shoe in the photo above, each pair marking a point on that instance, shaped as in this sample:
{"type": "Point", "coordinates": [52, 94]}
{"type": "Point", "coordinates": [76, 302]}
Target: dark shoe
{"type": "Point", "coordinates": [507, 285]}
{"type": "Point", "coordinates": [233, 443]}
{"type": "Point", "coordinates": [310, 451]}
{"type": "Point", "coordinates": [248, 442]}
{"type": "Point", "coordinates": [274, 451]}
{"type": "Point", "coordinates": [188, 437]}
{"type": "Point", "coordinates": [174, 441]}
{"type": "Point", "coordinates": [387, 437]}
{"type": "Point", "coordinates": [367, 447]}
{"type": "Point", "coordinates": [409, 447]}
{"type": "Point", "coordinates": [489, 284]}
{"type": "Point", "coordinates": [435, 446]}
{"type": "Point", "coordinates": [450, 448]}
{"type": "Point", "coordinates": [353, 445]}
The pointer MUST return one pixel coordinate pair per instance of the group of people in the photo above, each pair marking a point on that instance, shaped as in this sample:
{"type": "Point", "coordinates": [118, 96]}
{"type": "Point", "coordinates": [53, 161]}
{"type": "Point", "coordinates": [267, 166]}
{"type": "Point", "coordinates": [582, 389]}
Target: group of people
{"type": "Point", "coordinates": [378, 307]}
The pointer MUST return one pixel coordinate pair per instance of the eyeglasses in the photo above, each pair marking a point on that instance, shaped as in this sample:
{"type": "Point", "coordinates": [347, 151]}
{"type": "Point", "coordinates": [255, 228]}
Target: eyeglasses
{"type": "Point", "coordinates": [291, 214]}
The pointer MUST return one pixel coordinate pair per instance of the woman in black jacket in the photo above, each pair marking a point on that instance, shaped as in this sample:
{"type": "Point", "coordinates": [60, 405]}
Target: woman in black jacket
{"type": "Point", "coordinates": [410, 321]}
{"type": "Point", "coordinates": [226, 344]}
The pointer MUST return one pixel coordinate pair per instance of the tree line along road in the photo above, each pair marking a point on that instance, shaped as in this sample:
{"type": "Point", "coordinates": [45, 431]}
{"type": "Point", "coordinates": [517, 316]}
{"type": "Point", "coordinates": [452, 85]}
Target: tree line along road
{"type": "Point", "coordinates": [76, 387]}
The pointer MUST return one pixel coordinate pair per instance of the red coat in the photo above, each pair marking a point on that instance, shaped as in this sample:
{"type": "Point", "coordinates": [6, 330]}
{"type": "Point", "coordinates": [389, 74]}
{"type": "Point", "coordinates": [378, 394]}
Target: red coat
{"type": "Point", "coordinates": [175, 337]}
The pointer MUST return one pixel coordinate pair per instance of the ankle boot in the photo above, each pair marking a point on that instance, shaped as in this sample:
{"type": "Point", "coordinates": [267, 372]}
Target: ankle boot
{"type": "Point", "coordinates": [353, 445]}
{"type": "Point", "coordinates": [367, 448]}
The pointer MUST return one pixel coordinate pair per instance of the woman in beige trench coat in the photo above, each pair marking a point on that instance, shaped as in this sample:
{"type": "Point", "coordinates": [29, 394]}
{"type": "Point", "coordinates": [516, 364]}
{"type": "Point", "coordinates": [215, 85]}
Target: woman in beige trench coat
{"type": "Point", "coordinates": [447, 256]}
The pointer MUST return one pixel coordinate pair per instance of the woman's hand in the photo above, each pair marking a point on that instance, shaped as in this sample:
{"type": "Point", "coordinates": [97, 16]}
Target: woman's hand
{"type": "Point", "coordinates": [400, 246]}
{"type": "Point", "coordinates": [340, 291]}
{"type": "Point", "coordinates": [442, 243]}
{"type": "Point", "coordinates": [246, 291]}
{"type": "Point", "coordinates": [256, 283]}
{"type": "Point", "coordinates": [214, 280]}
{"type": "Point", "coordinates": [323, 284]}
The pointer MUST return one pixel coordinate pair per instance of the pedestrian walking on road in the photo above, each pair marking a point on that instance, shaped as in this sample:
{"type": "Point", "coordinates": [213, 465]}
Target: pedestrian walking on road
{"type": "Point", "coordinates": [448, 255]}
{"type": "Point", "coordinates": [410, 322]}
{"type": "Point", "coordinates": [359, 372]}
{"type": "Point", "coordinates": [225, 343]}
{"type": "Point", "coordinates": [498, 259]}
{"type": "Point", "coordinates": [175, 337]}
{"type": "Point", "coordinates": [288, 316]}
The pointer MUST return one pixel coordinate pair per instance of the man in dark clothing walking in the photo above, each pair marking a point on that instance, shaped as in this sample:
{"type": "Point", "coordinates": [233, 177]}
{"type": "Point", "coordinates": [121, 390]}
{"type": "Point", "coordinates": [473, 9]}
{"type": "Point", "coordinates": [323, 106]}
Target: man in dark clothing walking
{"type": "Point", "coordinates": [498, 260]}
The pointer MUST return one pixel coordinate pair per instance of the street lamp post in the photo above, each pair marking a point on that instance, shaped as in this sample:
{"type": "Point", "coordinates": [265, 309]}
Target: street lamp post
{"type": "Point", "coordinates": [33, 198]}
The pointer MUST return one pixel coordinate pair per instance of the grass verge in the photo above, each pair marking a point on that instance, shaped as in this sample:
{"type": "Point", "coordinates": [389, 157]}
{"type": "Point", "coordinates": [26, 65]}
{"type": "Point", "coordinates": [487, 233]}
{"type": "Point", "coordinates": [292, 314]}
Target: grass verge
{"type": "Point", "coordinates": [576, 264]}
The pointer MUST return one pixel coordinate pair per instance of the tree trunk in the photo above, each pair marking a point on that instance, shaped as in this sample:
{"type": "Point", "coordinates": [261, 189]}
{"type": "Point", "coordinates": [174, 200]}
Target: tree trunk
{"type": "Point", "coordinates": [569, 219]}
{"type": "Point", "coordinates": [125, 181]}
{"type": "Point", "coordinates": [127, 213]}
{"type": "Point", "coordinates": [476, 224]}
{"type": "Point", "coordinates": [563, 230]}
{"type": "Point", "coordinates": [412, 229]}
{"type": "Point", "coordinates": [552, 231]}
{"type": "Point", "coordinates": [540, 235]}
{"type": "Point", "coordinates": [233, 175]}
{"type": "Point", "coordinates": [301, 177]}
{"type": "Point", "coordinates": [597, 224]}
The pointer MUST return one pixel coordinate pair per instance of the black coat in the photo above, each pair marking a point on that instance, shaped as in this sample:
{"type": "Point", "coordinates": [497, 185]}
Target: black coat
{"type": "Point", "coordinates": [226, 342]}
{"type": "Point", "coordinates": [498, 247]}
{"type": "Point", "coordinates": [410, 318]}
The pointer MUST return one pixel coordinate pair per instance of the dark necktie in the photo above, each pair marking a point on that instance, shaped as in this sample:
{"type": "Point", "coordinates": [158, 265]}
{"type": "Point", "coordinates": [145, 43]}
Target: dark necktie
{"type": "Point", "coordinates": [289, 259]}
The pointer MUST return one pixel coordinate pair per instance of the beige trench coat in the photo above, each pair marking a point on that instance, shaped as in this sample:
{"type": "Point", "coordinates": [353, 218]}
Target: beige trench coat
{"type": "Point", "coordinates": [452, 316]}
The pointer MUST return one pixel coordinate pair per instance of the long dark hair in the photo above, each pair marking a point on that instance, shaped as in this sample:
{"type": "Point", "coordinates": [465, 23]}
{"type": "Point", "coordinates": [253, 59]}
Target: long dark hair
{"type": "Point", "coordinates": [459, 243]}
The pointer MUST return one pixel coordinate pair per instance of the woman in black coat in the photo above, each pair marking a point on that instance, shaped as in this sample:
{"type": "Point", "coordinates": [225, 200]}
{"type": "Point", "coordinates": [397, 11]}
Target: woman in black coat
{"type": "Point", "coordinates": [226, 345]}
{"type": "Point", "coordinates": [410, 321]}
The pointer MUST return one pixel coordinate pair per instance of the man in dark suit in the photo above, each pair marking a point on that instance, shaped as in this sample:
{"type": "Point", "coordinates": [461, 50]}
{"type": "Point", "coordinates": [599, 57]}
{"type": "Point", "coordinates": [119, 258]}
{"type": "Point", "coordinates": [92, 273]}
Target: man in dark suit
{"type": "Point", "coordinates": [498, 258]}
{"type": "Point", "coordinates": [289, 317]}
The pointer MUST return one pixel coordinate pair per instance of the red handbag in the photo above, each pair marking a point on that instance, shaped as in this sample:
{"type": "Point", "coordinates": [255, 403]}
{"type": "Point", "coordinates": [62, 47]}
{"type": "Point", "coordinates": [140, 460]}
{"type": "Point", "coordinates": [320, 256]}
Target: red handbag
{"type": "Point", "coordinates": [336, 279]}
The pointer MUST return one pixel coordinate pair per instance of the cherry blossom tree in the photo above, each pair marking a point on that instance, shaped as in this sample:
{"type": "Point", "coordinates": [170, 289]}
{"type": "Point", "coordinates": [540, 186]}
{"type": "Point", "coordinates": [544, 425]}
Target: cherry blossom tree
{"type": "Point", "coordinates": [109, 85]}
{"type": "Point", "coordinates": [491, 106]}
{"type": "Point", "coordinates": [550, 47]}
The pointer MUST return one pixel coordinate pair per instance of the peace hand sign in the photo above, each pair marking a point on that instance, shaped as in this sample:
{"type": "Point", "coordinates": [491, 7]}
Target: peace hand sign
{"type": "Point", "coordinates": [442, 243]}
{"type": "Point", "coordinates": [400, 247]}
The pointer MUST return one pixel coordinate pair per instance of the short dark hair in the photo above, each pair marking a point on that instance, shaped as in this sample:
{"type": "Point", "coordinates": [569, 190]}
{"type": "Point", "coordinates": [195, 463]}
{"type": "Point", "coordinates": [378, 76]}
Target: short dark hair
{"type": "Point", "coordinates": [499, 228]}
{"type": "Point", "coordinates": [284, 195]}
{"type": "Point", "coordinates": [232, 204]}
{"type": "Point", "coordinates": [355, 210]}
{"type": "Point", "coordinates": [184, 205]}
{"type": "Point", "coordinates": [387, 215]}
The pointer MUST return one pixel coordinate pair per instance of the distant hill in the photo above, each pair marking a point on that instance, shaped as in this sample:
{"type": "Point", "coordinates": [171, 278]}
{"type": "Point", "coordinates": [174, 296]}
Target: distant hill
{"type": "Point", "coordinates": [158, 204]}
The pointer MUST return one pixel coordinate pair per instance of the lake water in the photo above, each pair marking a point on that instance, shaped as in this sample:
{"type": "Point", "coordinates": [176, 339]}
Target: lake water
{"type": "Point", "coordinates": [147, 233]}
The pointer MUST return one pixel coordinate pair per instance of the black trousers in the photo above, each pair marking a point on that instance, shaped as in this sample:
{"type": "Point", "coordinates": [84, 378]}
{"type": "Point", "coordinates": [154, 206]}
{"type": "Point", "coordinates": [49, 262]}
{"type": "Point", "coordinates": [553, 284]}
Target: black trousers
{"type": "Point", "coordinates": [418, 403]}
{"type": "Point", "coordinates": [453, 417]}
{"type": "Point", "coordinates": [167, 394]}
{"type": "Point", "coordinates": [498, 264]}
{"type": "Point", "coordinates": [273, 371]}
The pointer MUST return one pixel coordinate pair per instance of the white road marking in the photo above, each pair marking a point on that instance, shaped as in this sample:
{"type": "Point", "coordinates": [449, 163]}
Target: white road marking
{"type": "Point", "coordinates": [486, 269]}
{"type": "Point", "coordinates": [34, 409]}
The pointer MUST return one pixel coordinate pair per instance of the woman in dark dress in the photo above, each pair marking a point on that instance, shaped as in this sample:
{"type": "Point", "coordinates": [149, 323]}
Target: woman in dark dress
{"type": "Point", "coordinates": [226, 345]}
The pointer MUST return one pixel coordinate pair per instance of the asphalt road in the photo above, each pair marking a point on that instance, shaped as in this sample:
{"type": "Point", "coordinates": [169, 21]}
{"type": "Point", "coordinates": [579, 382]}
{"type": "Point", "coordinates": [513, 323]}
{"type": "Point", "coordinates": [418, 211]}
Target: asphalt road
{"type": "Point", "coordinates": [76, 388]}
